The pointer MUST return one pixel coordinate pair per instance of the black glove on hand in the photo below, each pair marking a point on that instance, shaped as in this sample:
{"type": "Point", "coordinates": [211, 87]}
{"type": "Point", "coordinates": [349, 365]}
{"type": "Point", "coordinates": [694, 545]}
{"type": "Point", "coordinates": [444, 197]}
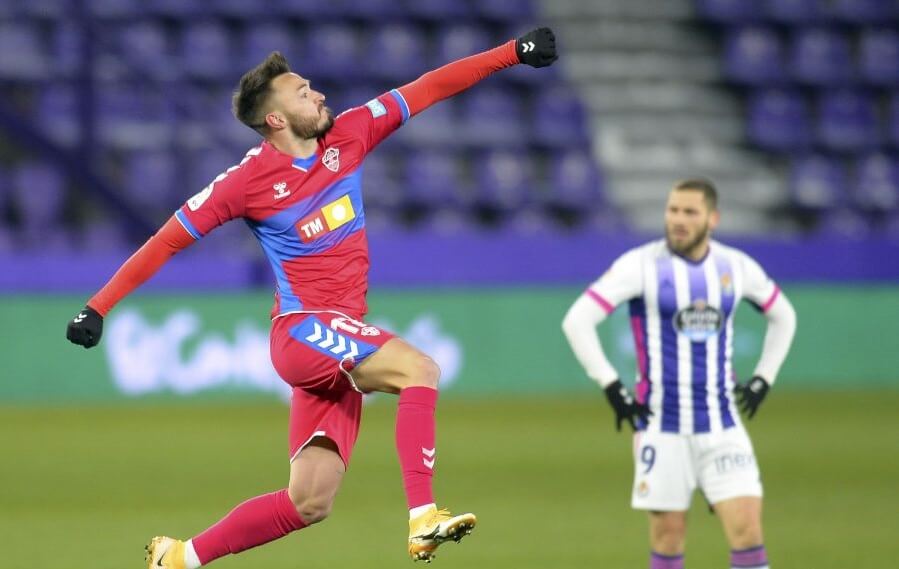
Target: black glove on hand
{"type": "Point", "coordinates": [751, 394]}
{"type": "Point", "coordinates": [537, 48]}
{"type": "Point", "coordinates": [85, 328]}
{"type": "Point", "coordinates": [624, 405]}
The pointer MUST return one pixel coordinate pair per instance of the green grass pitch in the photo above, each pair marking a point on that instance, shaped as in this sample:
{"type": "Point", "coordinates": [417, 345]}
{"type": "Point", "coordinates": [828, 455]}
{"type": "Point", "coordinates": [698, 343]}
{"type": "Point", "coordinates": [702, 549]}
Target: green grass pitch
{"type": "Point", "coordinates": [548, 478]}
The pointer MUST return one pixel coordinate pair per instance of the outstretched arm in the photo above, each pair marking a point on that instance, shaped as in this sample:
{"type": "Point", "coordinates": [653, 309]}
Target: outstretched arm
{"type": "Point", "coordinates": [86, 327]}
{"type": "Point", "coordinates": [536, 48]}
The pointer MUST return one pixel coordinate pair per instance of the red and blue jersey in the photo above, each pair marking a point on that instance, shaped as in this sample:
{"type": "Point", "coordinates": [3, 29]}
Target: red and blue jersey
{"type": "Point", "coordinates": [307, 213]}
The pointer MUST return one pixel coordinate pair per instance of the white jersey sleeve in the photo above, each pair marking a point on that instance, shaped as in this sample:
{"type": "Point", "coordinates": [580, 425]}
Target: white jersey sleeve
{"type": "Point", "coordinates": [622, 281]}
{"type": "Point", "coordinates": [758, 287]}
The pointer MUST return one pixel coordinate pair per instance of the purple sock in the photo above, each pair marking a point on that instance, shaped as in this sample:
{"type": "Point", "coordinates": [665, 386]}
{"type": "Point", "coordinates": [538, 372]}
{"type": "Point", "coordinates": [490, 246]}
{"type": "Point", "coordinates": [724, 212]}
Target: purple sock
{"type": "Point", "coordinates": [751, 558]}
{"type": "Point", "coordinates": [659, 561]}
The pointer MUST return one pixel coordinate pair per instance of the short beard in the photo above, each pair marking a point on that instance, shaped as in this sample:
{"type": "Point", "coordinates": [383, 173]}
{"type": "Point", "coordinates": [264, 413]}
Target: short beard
{"type": "Point", "coordinates": [692, 245]}
{"type": "Point", "coordinates": [308, 128]}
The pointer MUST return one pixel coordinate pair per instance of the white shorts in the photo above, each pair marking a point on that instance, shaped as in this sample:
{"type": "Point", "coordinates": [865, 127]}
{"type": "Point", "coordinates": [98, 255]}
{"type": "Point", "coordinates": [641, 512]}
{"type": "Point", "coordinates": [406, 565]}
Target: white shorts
{"type": "Point", "coordinates": [669, 466]}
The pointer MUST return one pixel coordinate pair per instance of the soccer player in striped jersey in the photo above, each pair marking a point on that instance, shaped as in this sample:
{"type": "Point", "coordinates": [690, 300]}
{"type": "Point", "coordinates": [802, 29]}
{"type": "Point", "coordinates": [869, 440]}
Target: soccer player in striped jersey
{"type": "Point", "coordinates": [299, 191]}
{"type": "Point", "coordinates": [682, 293]}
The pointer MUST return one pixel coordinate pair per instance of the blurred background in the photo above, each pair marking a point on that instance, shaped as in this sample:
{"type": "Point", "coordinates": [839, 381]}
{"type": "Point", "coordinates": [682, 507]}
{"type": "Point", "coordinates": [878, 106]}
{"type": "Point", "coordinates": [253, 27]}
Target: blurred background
{"type": "Point", "coordinates": [487, 215]}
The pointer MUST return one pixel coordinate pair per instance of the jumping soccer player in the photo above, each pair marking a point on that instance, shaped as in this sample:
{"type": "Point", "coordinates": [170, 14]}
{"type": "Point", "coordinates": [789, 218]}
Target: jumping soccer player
{"type": "Point", "coordinates": [300, 193]}
{"type": "Point", "coordinates": [682, 292]}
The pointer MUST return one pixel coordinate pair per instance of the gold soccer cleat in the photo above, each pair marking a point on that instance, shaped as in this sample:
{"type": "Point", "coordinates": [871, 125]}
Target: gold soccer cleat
{"type": "Point", "coordinates": [432, 528]}
{"type": "Point", "coordinates": [165, 553]}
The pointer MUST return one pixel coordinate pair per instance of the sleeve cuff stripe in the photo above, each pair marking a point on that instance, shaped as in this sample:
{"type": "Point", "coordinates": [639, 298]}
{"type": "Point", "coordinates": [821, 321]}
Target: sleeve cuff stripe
{"type": "Point", "coordinates": [605, 304]}
{"type": "Point", "coordinates": [179, 215]}
{"type": "Point", "coordinates": [404, 107]}
{"type": "Point", "coordinates": [774, 295]}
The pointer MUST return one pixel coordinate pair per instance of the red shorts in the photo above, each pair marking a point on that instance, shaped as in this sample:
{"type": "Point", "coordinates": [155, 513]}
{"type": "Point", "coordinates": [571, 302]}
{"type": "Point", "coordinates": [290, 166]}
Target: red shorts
{"type": "Point", "coordinates": [314, 353]}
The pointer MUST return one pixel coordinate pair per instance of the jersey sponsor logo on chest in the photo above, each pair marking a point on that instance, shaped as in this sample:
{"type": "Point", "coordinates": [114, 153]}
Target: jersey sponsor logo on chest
{"type": "Point", "coordinates": [699, 321]}
{"type": "Point", "coordinates": [327, 219]}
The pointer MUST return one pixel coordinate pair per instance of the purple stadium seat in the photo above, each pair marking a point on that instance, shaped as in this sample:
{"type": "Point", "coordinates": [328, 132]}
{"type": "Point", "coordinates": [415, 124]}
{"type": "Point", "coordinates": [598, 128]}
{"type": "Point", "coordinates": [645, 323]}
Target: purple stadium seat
{"type": "Point", "coordinates": [145, 49]}
{"type": "Point", "coordinates": [778, 120]}
{"type": "Point", "coordinates": [102, 236]}
{"type": "Point", "coordinates": [460, 40]}
{"type": "Point", "coordinates": [574, 182]}
{"type": "Point", "coordinates": [492, 116]}
{"type": "Point", "coordinates": [153, 182]}
{"type": "Point", "coordinates": [22, 53]}
{"type": "Point", "coordinates": [115, 8]}
{"type": "Point", "coordinates": [893, 120]}
{"type": "Point", "coordinates": [729, 11]}
{"type": "Point", "coordinates": [877, 183]}
{"type": "Point", "coordinates": [395, 52]}
{"type": "Point", "coordinates": [374, 10]}
{"type": "Point", "coordinates": [206, 50]}
{"type": "Point", "coordinates": [821, 57]}
{"type": "Point", "coordinates": [754, 55]}
{"type": "Point", "coordinates": [66, 48]}
{"type": "Point", "coordinates": [45, 8]}
{"type": "Point", "coordinates": [39, 194]}
{"type": "Point", "coordinates": [238, 8]}
{"type": "Point", "coordinates": [847, 121]}
{"type": "Point", "coordinates": [818, 182]}
{"type": "Point", "coordinates": [795, 11]}
{"type": "Point", "coordinates": [559, 118]}
{"type": "Point", "coordinates": [449, 221]}
{"type": "Point", "coordinates": [57, 113]}
{"type": "Point", "coordinates": [531, 220]}
{"type": "Point", "coordinates": [844, 223]}
{"type": "Point", "coordinates": [380, 186]}
{"type": "Point", "coordinates": [313, 10]}
{"type": "Point", "coordinates": [864, 11]}
{"type": "Point", "coordinates": [260, 39]}
{"type": "Point", "coordinates": [435, 126]}
{"type": "Point", "coordinates": [504, 180]}
{"type": "Point", "coordinates": [503, 10]}
{"type": "Point", "coordinates": [433, 179]}
{"type": "Point", "coordinates": [133, 116]}
{"type": "Point", "coordinates": [331, 51]}
{"type": "Point", "coordinates": [176, 8]}
{"type": "Point", "coordinates": [879, 56]}
{"type": "Point", "coordinates": [437, 9]}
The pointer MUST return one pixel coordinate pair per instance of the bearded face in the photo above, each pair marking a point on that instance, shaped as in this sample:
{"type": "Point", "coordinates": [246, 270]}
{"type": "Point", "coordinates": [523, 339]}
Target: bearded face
{"type": "Point", "coordinates": [305, 126]}
{"type": "Point", "coordinates": [689, 222]}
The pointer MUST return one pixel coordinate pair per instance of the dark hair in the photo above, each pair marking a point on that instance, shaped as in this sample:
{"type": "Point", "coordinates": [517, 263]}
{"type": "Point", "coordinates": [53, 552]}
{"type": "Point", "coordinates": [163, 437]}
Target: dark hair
{"type": "Point", "coordinates": [248, 102]}
{"type": "Point", "coordinates": [704, 185]}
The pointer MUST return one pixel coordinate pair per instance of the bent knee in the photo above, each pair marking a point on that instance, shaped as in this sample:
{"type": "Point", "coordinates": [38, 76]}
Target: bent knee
{"type": "Point", "coordinates": [311, 510]}
{"type": "Point", "coordinates": [426, 372]}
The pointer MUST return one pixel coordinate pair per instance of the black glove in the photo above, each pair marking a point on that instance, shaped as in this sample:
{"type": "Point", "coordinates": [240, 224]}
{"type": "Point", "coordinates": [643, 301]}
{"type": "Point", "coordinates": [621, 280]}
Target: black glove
{"type": "Point", "coordinates": [751, 394]}
{"type": "Point", "coordinates": [85, 328]}
{"type": "Point", "coordinates": [624, 405]}
{"type": "Point", "coordinates": [537, 48]}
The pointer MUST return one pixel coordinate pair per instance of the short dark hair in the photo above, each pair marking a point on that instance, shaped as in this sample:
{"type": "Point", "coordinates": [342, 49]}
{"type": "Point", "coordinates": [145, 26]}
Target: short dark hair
{"type": "Point", "coordinates": [248, 102]}
{"type": "Point", "coordinates": [704, 185]}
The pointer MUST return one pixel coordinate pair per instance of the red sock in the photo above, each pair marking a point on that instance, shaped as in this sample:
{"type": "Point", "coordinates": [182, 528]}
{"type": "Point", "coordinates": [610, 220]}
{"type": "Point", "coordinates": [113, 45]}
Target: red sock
{"type": "Point", "coordinates": [258, 520]}
{"type": "Point", "coordinates": [415, 443]}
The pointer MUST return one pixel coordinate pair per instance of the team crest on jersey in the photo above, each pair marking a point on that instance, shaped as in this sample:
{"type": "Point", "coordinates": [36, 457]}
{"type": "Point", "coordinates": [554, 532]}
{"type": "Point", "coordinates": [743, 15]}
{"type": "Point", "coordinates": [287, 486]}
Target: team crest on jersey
{"type": "Point", "coordinates": [727, 283]}
{"type": "Point", "coordinates": [331, 158]}
{"type": "Point", "coordinates": [370, 331]}
{"type": "Point", "coordinates": [699, 321]}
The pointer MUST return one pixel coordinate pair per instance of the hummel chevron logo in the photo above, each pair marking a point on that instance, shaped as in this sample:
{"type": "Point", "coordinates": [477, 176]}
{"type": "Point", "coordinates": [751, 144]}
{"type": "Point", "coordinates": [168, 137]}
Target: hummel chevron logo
{"type": "Point", "coordinates": [327, 339]}
{"type": "Point", "coordinates": [527, 46]}
{"type": "Point", "coordinates": [81, 316]}
{"type": "Point", "coordinates": [430, 454]}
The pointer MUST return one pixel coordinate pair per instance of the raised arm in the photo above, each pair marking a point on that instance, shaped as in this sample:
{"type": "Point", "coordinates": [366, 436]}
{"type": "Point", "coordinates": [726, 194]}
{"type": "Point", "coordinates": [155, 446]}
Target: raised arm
{"type": "Point", "coordinates": [86, 327]}
{"type": "Point", "coordinates": [536, 48]}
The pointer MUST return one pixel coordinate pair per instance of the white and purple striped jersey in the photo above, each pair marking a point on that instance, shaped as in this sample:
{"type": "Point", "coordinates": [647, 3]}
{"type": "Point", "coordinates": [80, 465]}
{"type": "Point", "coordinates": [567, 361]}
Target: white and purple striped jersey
{"type": "Point", "coordinates": [682, 315]}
